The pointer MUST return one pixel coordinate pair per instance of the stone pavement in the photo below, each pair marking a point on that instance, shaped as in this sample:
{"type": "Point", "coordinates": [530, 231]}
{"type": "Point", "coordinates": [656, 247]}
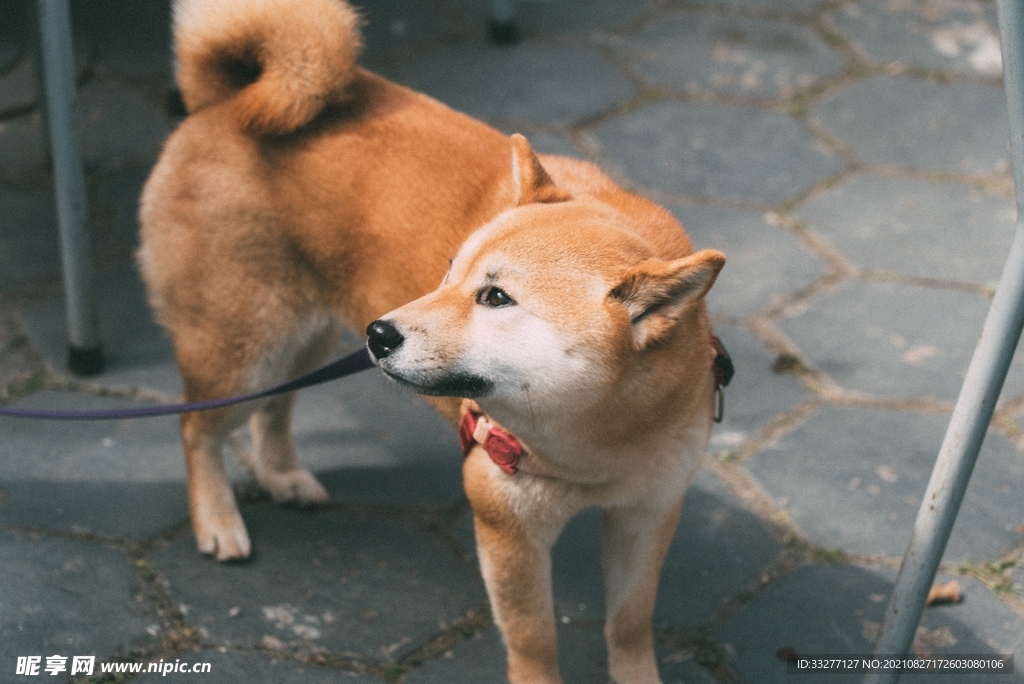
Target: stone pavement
{"type": "Point", "coordinates": [849, 157]}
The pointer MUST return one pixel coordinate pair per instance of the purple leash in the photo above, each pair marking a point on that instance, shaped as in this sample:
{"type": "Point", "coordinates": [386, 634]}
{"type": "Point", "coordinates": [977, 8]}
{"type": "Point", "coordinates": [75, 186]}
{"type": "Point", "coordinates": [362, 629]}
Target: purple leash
{"type": "Point", "coordinates": [349, 364]}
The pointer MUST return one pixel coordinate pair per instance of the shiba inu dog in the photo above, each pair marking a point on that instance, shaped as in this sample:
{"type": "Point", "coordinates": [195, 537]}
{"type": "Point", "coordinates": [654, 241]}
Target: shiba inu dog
{"type": "Point", "coordinates": [567, 339]}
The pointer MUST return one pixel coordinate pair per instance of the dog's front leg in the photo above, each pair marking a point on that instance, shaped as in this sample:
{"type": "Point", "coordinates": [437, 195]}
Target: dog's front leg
{"type": "Point", "coordinates": [517, 573]}
{"type": "Point", "coordinates": [515, 559]}
{"type": "Point", "coordinates": [634, 542]}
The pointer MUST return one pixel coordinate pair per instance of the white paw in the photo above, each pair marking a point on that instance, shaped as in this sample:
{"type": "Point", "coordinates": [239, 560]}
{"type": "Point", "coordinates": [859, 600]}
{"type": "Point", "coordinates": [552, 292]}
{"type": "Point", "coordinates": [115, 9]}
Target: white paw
{"type": "Point", "coordinates": [224, 537]}
{"type": "Point", "coordinates": [294, 486]}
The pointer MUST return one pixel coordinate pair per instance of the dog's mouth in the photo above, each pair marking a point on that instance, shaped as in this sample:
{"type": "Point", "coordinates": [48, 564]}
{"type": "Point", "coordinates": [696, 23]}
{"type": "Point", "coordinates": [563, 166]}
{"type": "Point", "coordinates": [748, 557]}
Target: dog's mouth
{"type": "Point", "coordinates": [456, 384]}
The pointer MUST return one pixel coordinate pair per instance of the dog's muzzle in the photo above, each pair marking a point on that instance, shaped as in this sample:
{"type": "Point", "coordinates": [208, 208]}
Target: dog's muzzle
{"type": "Point", "coordinates": [383, 338]}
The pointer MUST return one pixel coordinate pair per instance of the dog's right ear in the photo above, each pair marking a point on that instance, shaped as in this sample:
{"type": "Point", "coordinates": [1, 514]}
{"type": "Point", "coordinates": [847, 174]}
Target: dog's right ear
{"type": "Point", "coordinates": [656, 292]}
{"type": "Point", "coordinates": [529, 179]}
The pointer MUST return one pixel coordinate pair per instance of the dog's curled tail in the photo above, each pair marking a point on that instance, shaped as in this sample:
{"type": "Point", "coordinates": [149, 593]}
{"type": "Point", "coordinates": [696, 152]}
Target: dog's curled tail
{"type": "Point", "coordinates": [279, 61]}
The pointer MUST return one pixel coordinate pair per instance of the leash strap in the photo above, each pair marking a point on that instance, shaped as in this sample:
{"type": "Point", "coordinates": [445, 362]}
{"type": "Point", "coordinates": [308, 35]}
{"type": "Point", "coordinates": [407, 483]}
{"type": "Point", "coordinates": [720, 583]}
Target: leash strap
{"type": "Point", "coordinates": [349, 364]}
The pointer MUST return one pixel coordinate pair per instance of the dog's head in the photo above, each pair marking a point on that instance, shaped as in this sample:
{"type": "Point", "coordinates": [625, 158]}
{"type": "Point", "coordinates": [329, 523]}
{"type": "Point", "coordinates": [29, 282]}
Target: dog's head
{"type": "Point", "coordinates": [552, 301]}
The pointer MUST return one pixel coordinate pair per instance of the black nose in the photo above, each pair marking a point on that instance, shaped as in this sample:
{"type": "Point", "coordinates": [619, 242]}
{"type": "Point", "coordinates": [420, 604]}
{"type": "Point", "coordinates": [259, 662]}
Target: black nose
{"type": "Point", "coordinates": [384, 338]}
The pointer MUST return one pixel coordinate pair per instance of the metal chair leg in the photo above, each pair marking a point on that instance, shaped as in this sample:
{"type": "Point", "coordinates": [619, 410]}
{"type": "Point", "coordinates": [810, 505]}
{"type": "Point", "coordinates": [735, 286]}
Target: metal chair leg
{"type": "Point", "coordinates": [85, 354]}
{"type": "Point", "coordinates": [977, 400]}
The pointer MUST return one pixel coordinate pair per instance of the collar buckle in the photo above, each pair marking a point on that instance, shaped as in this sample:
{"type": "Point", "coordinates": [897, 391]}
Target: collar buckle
{"type": "Point", "coordinates": [502, 447]}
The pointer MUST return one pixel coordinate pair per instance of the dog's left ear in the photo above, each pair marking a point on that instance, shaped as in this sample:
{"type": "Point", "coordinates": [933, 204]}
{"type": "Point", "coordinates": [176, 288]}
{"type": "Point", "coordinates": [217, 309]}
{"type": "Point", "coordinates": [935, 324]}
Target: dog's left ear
{"type": "Point", "coordinates": [531, 182]}
{"type": "Point", "coordinates": [656, 292]}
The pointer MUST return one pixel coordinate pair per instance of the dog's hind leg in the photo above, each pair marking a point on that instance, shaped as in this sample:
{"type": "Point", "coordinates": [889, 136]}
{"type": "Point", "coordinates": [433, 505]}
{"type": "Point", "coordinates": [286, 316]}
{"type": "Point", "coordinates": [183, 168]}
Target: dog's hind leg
{"type": "Point", "coordinates": [216, 520]}
{"type": "Point", "coordinates": [274, 461]}
{"type": "Point", "coordinates": [634, 541]}
{"type": "Point", "coordinates": [211, 370]}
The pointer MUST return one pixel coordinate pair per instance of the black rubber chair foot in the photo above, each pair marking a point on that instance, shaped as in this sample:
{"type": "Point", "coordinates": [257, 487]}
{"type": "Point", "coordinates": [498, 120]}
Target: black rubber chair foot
{"type": "Point", "coordinates": [86, 361]}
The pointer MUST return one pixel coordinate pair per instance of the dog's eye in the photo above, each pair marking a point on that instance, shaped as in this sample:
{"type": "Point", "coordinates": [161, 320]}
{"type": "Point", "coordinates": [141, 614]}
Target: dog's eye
{"type": "Point", "coordinates": [494, 297]}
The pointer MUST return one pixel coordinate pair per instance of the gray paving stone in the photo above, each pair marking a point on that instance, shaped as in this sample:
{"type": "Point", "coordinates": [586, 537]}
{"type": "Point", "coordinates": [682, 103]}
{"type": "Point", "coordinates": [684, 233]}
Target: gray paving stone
{"type": "Point", "coordinates": [715, 151]}
{"type": "Point", "coordinates": [563, 17]}
{"type": "Point", "coordinates": [683, 670]}
{"type": "Point", "coordinates": [136, 511]}
{"type": "Point", "coordinates": [89, 451]}
{"type": "Point", "coordinates": [764, 262]}
{"type": "Point", "coordinates": [853, 478]}
{"type": "Point", "coordinates": [481, 659]}
{"type": "Point", "coordinates": [148, 60]}
{"type": "Point", "coordinates": [718, 549]}
{"type": "Point", "coordinates": [248, 668]}
{"type": "Point", "coordinates": [960, 35]}
{"type": "Point", "coordinates": [136, 350]}
{"type": "Point", "coordinates": [376, 425]}
{"type": "Point", "coordinates": [980, 622]}
{"type": "Point", "coordinates": [128, 39]}
{"type": "Point", "coordinates": [117, 128]}
{"type": "Point", "coordinates": [551, 143]}
{"type": "Point", "coordinates": [346, 582]}
{"type": "Point", "coordinates": [393, 27]}
{"type": "Point", "coordinates": [372, 442]}
{"type": "Point", "coordinates": [897, 341]}
{"type": "Point", "coordinates": [582, 660]}
{"type": "Point", "coordinates": [111, 478]}
{"type": "Point", "coordinates": [419, 484]}
{"type": "Point", "coordinates": [17, 367]}
{"type": "Point", "coordinates": [113, 216]}
{"type": "Point", "coordinates": [66, 597]}
{"type": "Point", "coordinates": [913, 123]}
{"type": "Point", "coordinates": [464, 536]}
{"type": "Point", "coordinates": [835, 609]}
{"type": "Point", "coordinates": [1014, 573]}
{"type": "Point", "coordinates": [11, 50]}
{"type": "Point", "coordinates": [28, 236]}
{"type": "Point", "coordinates": [19, 84]}
{"type": "Point", "coordinates": [942, 231]}
{"type": "Point", "coordinates": [1015, 578]}
{"type": "Point", "coordinates": [815, 609]}
{"type": "Point", "coordinates": [734, 56]}
{"type": "Point", "coordinates": [756, 394]}
{"type": "Point", "coordinates": [22, 148]}
{"type": "Point", "coordinates": [532, 82]}
{"type": "Point", "coordinates": [791, 6]}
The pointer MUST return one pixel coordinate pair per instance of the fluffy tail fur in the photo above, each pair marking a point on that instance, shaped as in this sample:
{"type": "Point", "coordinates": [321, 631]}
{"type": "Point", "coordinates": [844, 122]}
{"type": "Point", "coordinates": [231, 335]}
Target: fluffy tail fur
{"type": "Point", "coordinates": [279, 61]}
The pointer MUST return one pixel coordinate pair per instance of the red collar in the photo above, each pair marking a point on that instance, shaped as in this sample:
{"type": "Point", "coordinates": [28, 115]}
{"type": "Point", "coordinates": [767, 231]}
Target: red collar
{"type": "Point", "coordinates": [502, 446]}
